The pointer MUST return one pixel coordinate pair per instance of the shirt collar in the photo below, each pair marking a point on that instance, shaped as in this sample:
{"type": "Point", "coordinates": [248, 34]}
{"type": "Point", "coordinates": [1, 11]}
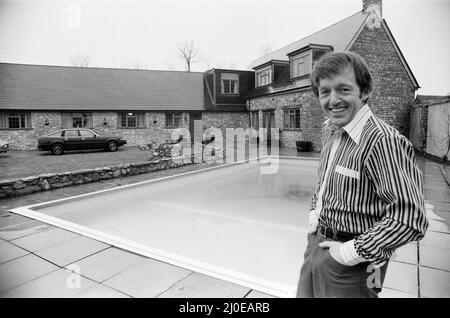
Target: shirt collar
{"type": "Point", "coordinates": [356, 125]}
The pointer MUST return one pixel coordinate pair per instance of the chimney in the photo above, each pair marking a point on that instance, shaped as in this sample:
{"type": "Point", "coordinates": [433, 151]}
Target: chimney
{"type": "Point", "coordinates": [373, 5]}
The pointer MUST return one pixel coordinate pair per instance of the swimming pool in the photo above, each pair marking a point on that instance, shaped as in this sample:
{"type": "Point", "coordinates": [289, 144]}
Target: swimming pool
{"type": "Point", "coordinates": [231, 222]}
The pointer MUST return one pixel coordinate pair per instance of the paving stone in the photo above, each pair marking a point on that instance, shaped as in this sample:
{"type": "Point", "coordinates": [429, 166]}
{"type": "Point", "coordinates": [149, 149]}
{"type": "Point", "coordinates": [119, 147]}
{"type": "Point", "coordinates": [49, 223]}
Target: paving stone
{"type": "Point", "coordinates": [202, 286]}
{"type": "Point", "coordinates": [71, 251]}
{"type": "Point", "coordinates": [402, 277]}
{"type": "Point", "coordinates": [8, 219]}
{"type": "Point", "coordinates": [108, 263]}
{"type": "Point", "coordinates": [9, 252]}
{"type": "Point", "coordinates": [439, 226]}
{"type": "Point", "coordinates": [406, 253]}
{"type": "Point", "coordinates": [435, 250]}
{"type": "Point", "coordinates": [101, 291]}
{"type": "Point", "coordinates": [147, 279]}
{"type": "Point", "coordinates": [23, 229]}
{"type": "Point", "coordinates": [44, 239]}
{"type": "Point", "coordinates": [22, 270]}
{"type": "Point", "coordinates": [257, 294]}
{"type": "Point", "coordinates": [392, 293]}
{"type": "Point", "coordinates": [434, 283]}
{"type": "Point", "coordinates": [60, 283]}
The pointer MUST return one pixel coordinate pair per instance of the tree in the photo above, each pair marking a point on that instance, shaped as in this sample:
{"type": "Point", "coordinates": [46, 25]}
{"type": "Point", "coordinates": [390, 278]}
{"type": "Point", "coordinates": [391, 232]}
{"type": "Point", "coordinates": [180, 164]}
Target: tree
{"type": "Point", "coordinates": [265, 49]}
{"type": "Point", "coordinates": [189, 53]}
{"type": "Point", "coordinates": [80, 60]}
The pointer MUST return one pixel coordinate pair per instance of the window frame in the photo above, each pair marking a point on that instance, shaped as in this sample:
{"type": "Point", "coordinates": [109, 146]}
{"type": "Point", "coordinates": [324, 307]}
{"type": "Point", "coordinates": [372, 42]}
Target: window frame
{"type": "Point", "coordinates": [23, 120]}
{"type": "Point", "coordinates": [287, 113]}
{"type": "Point", "coordinates": [306, 57]}
{"type": "Point", "coordinates": [172, 116]}
{"type": "Point", "coordinates": [124, 118]}
{"type": "Point", "coordinates": [266, 72]}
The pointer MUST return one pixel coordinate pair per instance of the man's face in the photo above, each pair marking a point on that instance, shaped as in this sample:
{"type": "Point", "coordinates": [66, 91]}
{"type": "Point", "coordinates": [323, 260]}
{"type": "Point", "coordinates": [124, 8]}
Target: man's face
{"type": "Point", "coordinates": [340, 97]}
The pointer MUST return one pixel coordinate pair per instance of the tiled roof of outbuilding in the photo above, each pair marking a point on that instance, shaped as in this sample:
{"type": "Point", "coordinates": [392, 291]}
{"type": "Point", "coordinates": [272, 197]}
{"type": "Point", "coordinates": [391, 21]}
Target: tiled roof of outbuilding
{"type": "Point", "coordinates": [39, 87]}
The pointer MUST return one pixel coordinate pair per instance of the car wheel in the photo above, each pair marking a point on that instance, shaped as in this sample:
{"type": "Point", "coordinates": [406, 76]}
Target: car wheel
{"type": "Point", "coordinates": [57, 149]}
{"type": "Point", "coordinates": [112, 146]}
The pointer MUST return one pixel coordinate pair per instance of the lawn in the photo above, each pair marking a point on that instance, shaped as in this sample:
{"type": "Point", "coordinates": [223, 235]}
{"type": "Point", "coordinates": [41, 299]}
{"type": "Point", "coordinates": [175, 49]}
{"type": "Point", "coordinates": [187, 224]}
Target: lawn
{"type": "Point", "coordinates": [20, 164]}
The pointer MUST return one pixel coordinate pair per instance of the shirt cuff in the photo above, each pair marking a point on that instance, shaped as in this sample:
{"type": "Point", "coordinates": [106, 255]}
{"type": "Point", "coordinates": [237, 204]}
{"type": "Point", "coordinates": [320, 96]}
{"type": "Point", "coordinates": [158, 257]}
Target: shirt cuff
{"type": "Point", "coordinates": [349, 254]}
{"type": "Point", "coordinates": [313, 218]}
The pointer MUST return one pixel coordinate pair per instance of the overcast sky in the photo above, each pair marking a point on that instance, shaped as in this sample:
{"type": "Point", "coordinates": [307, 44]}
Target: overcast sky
{"type": "Point", "coordinates": [228, 33]}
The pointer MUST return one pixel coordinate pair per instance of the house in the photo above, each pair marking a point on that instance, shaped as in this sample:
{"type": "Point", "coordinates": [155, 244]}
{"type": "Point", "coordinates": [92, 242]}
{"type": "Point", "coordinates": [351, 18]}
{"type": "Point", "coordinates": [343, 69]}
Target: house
{"type": "Point", "coordinates": [143, 106]}
{"type": "Point", "coordinates": [282, 97]}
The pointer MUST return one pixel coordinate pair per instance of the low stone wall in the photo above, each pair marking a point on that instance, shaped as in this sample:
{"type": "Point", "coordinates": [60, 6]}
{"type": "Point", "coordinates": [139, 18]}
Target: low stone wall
{"type": "Point", "coordinates": [44, 182]}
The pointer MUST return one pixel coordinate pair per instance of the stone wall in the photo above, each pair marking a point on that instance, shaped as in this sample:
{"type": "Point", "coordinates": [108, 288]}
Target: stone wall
{"type": "Point", "coordinates": [393, 91]}
{"type": "Point", "coordinates": [103, 122]}
{"type": "Point", "coordinates": [311, 116]}
{"type": "Point", "coordinates": [45, 182]}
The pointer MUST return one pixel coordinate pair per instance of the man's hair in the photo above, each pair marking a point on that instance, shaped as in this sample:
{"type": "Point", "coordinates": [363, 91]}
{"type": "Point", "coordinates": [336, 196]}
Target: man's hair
{"type": "Point", "coordinates": [333, 63]}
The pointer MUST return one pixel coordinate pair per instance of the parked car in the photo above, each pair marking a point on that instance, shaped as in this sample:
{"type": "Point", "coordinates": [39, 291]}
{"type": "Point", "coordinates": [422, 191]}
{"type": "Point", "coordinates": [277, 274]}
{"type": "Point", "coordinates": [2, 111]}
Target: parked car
{"type": "Point", "coordinates": [4, 146]}
{"type": "Point", "coordinates": [78, 139]}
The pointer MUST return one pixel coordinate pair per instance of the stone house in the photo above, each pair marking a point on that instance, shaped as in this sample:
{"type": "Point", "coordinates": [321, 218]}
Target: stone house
{"type": "Point", "coordinates": [143, 106]}
{"type": "Point", "coordinates": [282, 97]}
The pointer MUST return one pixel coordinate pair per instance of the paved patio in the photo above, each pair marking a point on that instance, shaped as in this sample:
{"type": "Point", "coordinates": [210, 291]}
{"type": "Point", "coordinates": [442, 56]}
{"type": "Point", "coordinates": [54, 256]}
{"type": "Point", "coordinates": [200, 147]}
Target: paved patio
{"type": "Point", "coordinates": [39, 260]}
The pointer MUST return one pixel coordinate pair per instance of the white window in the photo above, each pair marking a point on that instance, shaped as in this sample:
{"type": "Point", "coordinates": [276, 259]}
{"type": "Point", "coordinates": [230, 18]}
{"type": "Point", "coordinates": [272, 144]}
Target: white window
{"type": "Point", "coordinates": [174, 120]}
{"type": "Point", "coordinates": [300, 65]}
{"type": "Point", "coordinates": [264, 76]}
{"type": "Point", "coordinates": [292, 119]}
{"type": "Point", "coordinates": [230, 83]}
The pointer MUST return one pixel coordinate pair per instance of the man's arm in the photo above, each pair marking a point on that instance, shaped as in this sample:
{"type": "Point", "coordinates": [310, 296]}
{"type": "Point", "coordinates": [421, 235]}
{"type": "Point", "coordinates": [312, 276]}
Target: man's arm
{"type": "Point", "coordinates": [397, 181]}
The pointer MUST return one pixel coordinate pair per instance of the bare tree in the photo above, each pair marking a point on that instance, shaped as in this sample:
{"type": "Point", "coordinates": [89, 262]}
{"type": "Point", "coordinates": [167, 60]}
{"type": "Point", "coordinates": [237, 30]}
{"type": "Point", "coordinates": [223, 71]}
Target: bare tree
{"type": "Point", "coordinates": [189, 53]}
{"type": "Point", "coordinates": [138, 65]}
{"type": "Point", "coordinates": [80, 60]}
{"type": "Point", "coordinates": [265, 49]}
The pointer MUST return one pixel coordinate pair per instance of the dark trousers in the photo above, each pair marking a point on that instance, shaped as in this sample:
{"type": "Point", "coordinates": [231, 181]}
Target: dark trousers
{"type": "Point", "coordinates": [322, 276]}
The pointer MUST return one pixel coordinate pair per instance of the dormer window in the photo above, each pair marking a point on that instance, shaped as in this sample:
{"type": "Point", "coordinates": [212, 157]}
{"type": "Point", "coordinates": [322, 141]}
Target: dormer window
{"type": "Point", "coordinates": [301, 65]}
{"type": "Point", "coordinates": [230, 84]}
{"type": "Point", "coordinates": [264, 76]}
{"type": "Point", "coordinates": [302, 60]}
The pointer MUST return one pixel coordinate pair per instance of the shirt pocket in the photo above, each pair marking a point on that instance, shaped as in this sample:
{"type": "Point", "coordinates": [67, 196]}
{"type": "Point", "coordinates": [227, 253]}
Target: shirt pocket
{"type": "Point", "coordinates": [348, 172]}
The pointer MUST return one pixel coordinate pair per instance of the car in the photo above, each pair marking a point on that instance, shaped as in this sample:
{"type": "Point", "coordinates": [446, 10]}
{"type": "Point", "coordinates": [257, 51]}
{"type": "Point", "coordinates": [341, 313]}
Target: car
{"type": "Point", "coordinates": [4, 146]}
{"type": "Point", "coordinates": [78, 139]}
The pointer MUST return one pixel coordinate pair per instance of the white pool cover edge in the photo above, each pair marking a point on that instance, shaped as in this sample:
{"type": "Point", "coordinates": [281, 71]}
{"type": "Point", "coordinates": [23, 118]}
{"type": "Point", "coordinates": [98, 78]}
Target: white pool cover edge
{"type": "Point", "coordinates": [262, 285]}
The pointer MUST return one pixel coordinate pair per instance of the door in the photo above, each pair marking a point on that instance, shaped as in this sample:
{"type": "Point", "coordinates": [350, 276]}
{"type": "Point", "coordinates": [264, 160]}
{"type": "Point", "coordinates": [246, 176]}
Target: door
{"type": "Point", "coordinates": [90, 141]}
{"type": "Point", "coordinates": [72, 139]}
{"type": "Point", "coordinates": [196, 126]}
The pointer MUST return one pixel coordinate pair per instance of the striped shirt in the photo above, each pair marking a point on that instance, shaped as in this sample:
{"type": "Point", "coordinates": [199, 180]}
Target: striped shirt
{"type": "Point", "coordinates": [370, 184]}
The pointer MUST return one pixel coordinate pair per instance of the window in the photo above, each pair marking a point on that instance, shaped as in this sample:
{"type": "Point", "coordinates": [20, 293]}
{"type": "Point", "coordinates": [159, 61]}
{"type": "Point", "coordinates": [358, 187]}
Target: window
{"type": "Point", "coordinates": [264, 77]}
{"type": "Point", "coordinates": [86, 134]}
{"type": "Point", "coordinates": [71, 134]}
{"type": "Point", "coordinates": [292, 119]}
{"type": "Point", "coordinates": [76, 120]}
{"type": "Point", "coordinates": [174, 120]}
{"type": "Point", "coordinates": [131, 120]}
{"type": "Point", "coordinates": [55, 134]}
{"type": "Point", "coordinates": [15, 120]}
{"type": "Point", "coordinates": [80, 120]}
{"type": "Point", "coordinates": [300, 65]}
{"type": "Point", "coordinates": [230, 83]}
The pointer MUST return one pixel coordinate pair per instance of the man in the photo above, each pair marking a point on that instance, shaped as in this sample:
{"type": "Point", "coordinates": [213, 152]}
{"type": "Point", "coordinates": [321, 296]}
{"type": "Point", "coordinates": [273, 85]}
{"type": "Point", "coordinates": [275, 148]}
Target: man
{"type": "Point", "coordinates": [369, 200]}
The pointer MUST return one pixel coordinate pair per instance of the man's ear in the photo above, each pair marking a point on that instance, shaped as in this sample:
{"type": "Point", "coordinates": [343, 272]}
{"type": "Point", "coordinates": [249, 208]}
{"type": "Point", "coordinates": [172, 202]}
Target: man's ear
{"type": "Point", "coordinates": [365, 96]}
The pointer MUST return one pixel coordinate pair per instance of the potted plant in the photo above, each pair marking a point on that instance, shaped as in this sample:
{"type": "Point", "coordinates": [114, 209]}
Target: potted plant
{"type": "Point", "coordinates": [302, 144]}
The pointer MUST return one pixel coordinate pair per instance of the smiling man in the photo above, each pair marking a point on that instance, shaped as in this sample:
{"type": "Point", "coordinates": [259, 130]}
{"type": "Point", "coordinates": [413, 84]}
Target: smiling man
{"type": "Point", "coordinates": [369, 200]}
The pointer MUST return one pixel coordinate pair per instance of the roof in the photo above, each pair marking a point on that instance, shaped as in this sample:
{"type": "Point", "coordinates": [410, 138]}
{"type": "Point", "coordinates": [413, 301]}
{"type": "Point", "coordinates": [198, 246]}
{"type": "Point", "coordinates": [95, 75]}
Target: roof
{"type": "Point", "coordinates": [39, 87]}
{"type": "Point", "coordinates": [338, 35]}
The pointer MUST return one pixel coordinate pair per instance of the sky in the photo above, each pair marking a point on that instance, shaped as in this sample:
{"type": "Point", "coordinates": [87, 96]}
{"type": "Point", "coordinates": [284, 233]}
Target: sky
{"type": "Point", "coordinates": [227, 33]}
